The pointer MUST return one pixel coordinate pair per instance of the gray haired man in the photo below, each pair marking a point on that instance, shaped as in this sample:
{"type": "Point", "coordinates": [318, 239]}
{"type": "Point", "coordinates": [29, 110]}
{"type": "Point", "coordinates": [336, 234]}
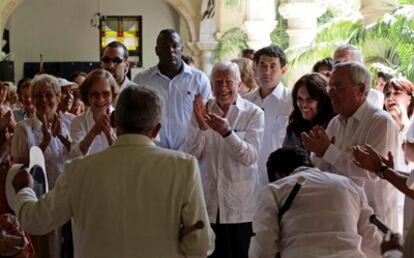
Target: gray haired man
{"type": "Point", "coordinates": [132, 199]}
{"type": "Point", "coordinates": [357, 123]}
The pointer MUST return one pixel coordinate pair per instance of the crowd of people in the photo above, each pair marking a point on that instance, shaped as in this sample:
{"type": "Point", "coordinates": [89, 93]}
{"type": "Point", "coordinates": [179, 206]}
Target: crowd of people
{"type": "Point", "coordinates": [177, 164]}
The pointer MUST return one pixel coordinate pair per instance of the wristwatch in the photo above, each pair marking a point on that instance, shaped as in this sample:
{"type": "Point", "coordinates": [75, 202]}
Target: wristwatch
{"type": "Point", "coordinates": [381, 171]}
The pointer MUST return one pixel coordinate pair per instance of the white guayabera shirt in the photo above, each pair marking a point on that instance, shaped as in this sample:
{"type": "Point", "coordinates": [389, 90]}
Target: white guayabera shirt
{"type": "Point", "coordinates": [228, 165]}
{"type": "Point", "coordinates": [277, 108]}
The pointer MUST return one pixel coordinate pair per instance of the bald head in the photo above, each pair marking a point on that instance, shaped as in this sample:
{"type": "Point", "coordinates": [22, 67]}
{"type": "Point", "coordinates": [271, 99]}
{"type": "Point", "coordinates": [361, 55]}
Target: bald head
{"type": "Point", "coordinates": [168, 50]}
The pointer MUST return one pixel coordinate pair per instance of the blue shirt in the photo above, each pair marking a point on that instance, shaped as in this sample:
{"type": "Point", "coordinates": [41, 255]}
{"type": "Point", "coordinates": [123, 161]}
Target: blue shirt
{"type": "Point", "coordinates": [178, 95]}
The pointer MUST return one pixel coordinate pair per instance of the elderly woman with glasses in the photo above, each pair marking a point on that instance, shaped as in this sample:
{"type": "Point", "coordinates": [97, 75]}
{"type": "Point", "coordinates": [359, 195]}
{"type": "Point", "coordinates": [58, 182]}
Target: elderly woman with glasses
{"type": "Point", "coordinates": [91, 132]}
{"type": "Point", "coordinates": [47, 131]}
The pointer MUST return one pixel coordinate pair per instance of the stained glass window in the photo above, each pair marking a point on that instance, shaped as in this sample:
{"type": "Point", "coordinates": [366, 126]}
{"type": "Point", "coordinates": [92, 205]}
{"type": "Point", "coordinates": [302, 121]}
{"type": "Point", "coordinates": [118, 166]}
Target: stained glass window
{"type": "Point", "coordinates": [125, 29]}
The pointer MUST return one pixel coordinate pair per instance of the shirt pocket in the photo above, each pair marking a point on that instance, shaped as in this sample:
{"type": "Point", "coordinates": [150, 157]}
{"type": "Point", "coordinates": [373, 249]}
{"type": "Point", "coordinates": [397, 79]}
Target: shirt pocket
{"type": "Point", "coordinates": [186, 96]}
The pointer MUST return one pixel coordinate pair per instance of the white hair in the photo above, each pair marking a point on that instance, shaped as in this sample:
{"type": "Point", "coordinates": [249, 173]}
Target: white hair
{"type": "Point", "coordinates": [226, 66]}
{"type": "Point", "coordinates": [356, 52]}
{"type": "Point", "coordinates": [359, 73]}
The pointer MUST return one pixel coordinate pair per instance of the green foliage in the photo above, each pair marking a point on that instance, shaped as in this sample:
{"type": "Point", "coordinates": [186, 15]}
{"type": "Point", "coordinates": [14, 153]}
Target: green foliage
{"type": "Point", "coordinates": [386, 45]}
{"type": "Point", "coordinates": [327, 40]}
{"type": "Point", "coordinates": [209, 11]}
{"type": "Point", "coordinates": [233, 3]}
{"type": "Point", "coordinates": [389, 42]}
{"type": "Point", "coordinates": [279, 36]}
{"type": "Point", "coordinates": [327, 16]}
{"type": "Point", "coordinates": [406, 2]}
{"type": "Point", "coordinates": [230, 45]}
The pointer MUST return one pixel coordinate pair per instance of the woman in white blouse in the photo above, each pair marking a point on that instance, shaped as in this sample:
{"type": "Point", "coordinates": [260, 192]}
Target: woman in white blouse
{"type": "Point", "coordinates": [46, 130]}
{"type": "Point", "coordinates": [399, 102]}
{"type": "Point", "coordinates": [91, 132]}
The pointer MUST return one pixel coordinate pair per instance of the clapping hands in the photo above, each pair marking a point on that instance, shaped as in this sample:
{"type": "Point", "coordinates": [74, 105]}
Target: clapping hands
{"type": "Point", "coordinates": [316, 140]}
{"type": "Point", "coordinates": [206, 119]}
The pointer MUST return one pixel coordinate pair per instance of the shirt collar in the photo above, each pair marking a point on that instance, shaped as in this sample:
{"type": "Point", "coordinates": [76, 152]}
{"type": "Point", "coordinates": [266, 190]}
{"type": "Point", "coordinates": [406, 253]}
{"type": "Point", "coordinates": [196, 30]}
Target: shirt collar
{"type": "Point", "coordinates": [132, 139]}
{"type": "Point", "coordinates": [276, 93]}
{"type": "Point", "coordinates": [124, 83]}
{"type": "Point", "coordinates": [186, 70]}
{"type": "Point", "coordinates": [358, 114]}
{"type": "Point", "coordinates": [240, 104]}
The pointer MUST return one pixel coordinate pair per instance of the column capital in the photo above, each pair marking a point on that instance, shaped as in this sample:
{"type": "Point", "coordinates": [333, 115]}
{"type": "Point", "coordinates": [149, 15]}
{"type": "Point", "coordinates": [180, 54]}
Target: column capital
{"type": "Point", "coordinates": [302, 20]}
{"type": "Point", "coordinates": [303, 9]}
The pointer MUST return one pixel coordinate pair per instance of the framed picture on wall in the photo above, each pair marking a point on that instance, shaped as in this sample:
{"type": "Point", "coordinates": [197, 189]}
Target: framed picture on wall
{"type": "Point", "coordinates": [125, 29]}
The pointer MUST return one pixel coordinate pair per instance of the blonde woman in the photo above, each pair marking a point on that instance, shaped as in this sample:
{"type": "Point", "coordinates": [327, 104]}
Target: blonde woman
{"type": "Point", "coordinates": [248, 83]}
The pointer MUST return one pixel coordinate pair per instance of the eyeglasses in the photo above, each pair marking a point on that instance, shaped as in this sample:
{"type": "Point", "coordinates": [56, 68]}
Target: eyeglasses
{"type": "Point", "coordinates": [334, 88]}
{"type": "Point", "coordinates": [115, 60]}
{"type": "Point", "coordinates": [227, 82]}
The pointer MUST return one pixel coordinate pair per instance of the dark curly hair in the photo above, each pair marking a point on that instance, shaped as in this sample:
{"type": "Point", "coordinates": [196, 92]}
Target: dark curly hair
{"type": "Point", "coordinates": [315, 83]}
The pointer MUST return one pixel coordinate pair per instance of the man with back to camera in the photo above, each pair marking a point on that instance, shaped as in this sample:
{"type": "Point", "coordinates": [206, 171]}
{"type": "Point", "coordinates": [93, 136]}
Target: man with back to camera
{"type": "Point", "coordinates": [134, 199]}
{"type": "Point", "coordinates": [274, 99]}
{"type": "Point", "coordinates": [329, 217]}
{"type": "Point", "coordinates": [357, 123]}
{"type": "Point", "coordinates": [115, 60]}
{"type": "Point", "coordinates": [178, 84]}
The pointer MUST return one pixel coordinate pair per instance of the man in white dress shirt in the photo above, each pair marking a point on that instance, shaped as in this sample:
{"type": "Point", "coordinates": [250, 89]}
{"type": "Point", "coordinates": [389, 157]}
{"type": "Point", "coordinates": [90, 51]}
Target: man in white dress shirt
{"type": "Point", "coordinates": [134, 199]}
{"type": "Point", "coordinates": [225, 135]}
{"type": "Point", "coordinates": [274, 99]}
{"type": "Point", "coordinates": [329, 217]}
{"type": "Point", "coordinates": [115, 60]}
{"type": "Point", "coordinates": [357, 123]}
{"type": "Point", "coordinates": [178, 84]}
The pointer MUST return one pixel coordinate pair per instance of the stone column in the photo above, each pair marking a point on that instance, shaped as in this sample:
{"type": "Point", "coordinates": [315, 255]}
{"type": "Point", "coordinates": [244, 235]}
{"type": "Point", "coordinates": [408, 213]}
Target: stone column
{"type": "Point", "coordinates": [372, 10]}
{"type": "Point", "coordinates": [260, 22]}
{"type": "Point", "coordinates": [206, 50]}
{"type": "Point", "coordinates": [302, 20]}
{"type": "Point", "coordinates": [206, 43]}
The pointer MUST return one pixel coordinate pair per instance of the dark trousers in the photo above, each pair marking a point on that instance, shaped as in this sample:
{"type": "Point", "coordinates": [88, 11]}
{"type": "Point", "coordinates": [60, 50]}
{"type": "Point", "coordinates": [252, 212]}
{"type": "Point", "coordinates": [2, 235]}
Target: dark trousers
{"type": "Point", "coordinates": [232, 240]}
{"type": "Point", "coordinates": [67, 241]}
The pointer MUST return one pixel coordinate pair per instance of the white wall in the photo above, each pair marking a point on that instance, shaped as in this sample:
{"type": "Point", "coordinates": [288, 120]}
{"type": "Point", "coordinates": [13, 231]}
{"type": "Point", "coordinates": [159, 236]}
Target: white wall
{"type": "Point", "coordinates": [60, 29]}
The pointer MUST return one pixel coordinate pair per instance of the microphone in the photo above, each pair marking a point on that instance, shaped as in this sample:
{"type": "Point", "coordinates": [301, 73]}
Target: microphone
{"type": "Point", "coordinates": [380, 224]}
{"type": "Point", "coordinates": [285, 207]}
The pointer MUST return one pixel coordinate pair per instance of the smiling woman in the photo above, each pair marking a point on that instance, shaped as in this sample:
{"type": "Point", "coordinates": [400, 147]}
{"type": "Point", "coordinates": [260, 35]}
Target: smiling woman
{"type": "Point", "coordinates": [311, 106]}
{"type": "Point", "coordinates": [91, 132]}
{"type": "Point", "coordinates": [46, 130]}
{"type": "Point", "coordinates": [399, 101]}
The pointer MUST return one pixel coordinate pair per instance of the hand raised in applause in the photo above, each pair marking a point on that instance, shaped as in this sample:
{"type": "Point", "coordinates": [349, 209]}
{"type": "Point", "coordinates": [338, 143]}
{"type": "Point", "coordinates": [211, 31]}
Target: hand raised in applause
{"type": "Point", "coordinates": [102, 124]}
{"type": "Point", "coordinates": [200, 112]}
{"type": "Point", "coordinates": [46, 130]}
{"type": "Point", "coordinates": [7, 120]}
{"type": "Point", "coordinates": [316, 140]}
{"type": "Point", "coordinates": [218, 123]}
{"type": "Point", "coordinates": [367, 158]}
{"type": "Point", "coordinates": [56, 127]}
